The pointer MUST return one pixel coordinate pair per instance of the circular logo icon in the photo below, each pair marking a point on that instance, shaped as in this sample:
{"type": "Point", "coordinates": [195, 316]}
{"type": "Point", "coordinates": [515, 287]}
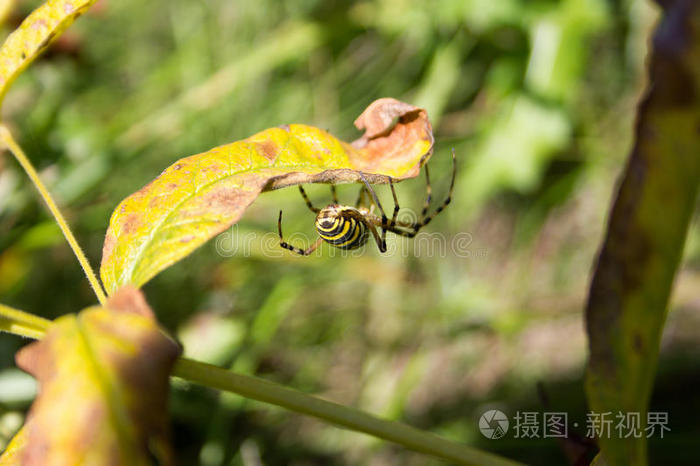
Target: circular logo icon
{"type": "Point", "coordinates": [493, 424]}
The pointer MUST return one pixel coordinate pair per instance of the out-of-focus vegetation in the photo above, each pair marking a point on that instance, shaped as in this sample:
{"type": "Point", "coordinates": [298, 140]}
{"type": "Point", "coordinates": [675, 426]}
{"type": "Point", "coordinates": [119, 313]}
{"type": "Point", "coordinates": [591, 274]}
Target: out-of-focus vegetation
{"type": "Point", "coordinates": [537, 99]}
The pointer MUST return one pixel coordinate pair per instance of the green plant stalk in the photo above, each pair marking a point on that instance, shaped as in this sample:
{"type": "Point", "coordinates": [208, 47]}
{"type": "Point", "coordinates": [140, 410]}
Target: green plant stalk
{"type": "Point", "coordinates": [17, 151]}
{"type": "Point", "coordinates": [22, 323]}
{"type": "Point", "coordinates": [268, 392]}
{"type": "Point", "coordinates": [28, 325]}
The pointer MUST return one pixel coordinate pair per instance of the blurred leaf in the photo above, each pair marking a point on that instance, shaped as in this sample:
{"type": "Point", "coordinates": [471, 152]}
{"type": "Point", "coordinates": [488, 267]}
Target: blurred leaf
{"type": "Point", "coordinates": [631, 286]}
{"type": "Point", "coordinates": [14, 267]}
{"type": "Point", "coordinates": [6, 7]}
{"type": "Point", "coordinates": [36, 32]}
{"type": "Point", "coordinates": [273, 311]}
{"type": "Point", "coordinates": [14, 453]}
{"type": "Point", "coordinates": [211, 337]}
{"type": "Point", "coordinates": [288, 42]}
{"type": "Point", "coordinates": [104, 373]}
{"type": "Point", "coordinates": [200, 196]}
{"type": "Point", "coordinates": [516, 149]}
{"type": "Point", "coordinates": [16, 387]}
{"type": "Point", "coordinates": [41, 235]}
{"type": "Point", "coordinates": [485, 14]}
{"type": "Point", "coordinates": [443, 75]}
{"type": "Point", "coordinates": [11, 423]}
{"type": "Point", "coordinates": [559, 46]}
{"type": "Point", "coordinates": [416, 21]}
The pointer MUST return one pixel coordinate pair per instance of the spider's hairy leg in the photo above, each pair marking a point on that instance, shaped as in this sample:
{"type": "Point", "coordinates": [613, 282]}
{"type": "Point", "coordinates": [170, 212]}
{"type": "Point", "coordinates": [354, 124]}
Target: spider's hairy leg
{"type": "Point", "coordinates": [369, 224]}
{"type": "Point", "coordinates": [308, 201]}
{"type": "Point", "coordinates": [334, 195]}
{"type": "Point", "coordinates": [285, 245]}
{"type": "Point", "coordinates": [385, 225]}
{"type": "Point", "coordinates": [385, 220]}
{"type": "Point", "coordinates": [428, 192]}
{"type": "Point", "coordinates": [396, 202]}
{"type": "Point", "coordinates": [410, 230]}
{"type": "Point", "coordinates": [397, 230]}
{"type": "Point", "coordinates": [448, 199]}
{"type": "Point", "coordinates": [360, 197]}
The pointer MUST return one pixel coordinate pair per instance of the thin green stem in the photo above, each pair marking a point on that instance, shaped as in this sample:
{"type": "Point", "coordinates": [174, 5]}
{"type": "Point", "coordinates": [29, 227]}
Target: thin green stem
{"type": "Point", "coordinates": [268, 392]}
{"type": "Point", "coordinates": [22, 323]}
{"type": "Point", "coordinates": [17, 151]}
{"type": "Point", "coordinates": [28, 325]}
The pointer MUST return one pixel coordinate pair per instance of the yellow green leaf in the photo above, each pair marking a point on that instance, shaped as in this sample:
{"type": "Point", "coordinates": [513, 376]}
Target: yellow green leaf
{"type": "Point", "coordinates": [6, 7]}
{"type": "Point", "coordinates": [200, 196]}
{"type": "Point", "coordinates": [648, 223]}
{"type": "Point", "coordinates": [35, 33]}
{"type": "Point", "coordinates": [103, 378]}
{"type": "Point", "coordinates": [12, 456]}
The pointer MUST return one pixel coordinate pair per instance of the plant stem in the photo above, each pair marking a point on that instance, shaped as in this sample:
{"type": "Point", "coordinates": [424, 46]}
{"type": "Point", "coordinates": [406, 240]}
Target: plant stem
{"type": "Point", "coordinates": [28, 325]}
{"type": "Point", "coordinates": [17, 151]}
{"type": "Point", "coordinates": [22, 323]}
{"type": "Point", "coordinates": [268, 392]}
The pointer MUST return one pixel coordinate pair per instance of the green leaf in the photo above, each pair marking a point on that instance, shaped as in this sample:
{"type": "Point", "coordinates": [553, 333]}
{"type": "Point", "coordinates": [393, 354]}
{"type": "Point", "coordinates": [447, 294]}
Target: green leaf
{"type": "Point", "coordinates": [632, 283]}
{"type": "Point", "coordinates": [35, 33]}
{"type": "Point", "coordinates": [200, 196]}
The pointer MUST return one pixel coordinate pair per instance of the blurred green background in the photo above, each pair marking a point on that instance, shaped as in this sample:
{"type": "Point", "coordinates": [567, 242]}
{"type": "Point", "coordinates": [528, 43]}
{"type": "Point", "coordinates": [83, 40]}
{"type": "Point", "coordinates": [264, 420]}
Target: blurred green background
{"type": "Point", "coordinates": [537, 98]}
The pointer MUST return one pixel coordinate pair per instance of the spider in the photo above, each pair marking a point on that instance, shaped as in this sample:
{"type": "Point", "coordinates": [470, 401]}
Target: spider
{"type": "Point", "coordinates": [348, 228]}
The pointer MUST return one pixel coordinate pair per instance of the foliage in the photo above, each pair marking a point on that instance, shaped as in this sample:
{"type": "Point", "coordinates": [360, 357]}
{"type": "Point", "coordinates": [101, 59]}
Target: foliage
{"type": "Point", "coordinates": [104, 377]}
{"type": "Point", "coordinates": [35, 34]}
{"type": "Point", "coordinates": [200, 196]}
{"type": "Point", "coordinates": [537, 98]}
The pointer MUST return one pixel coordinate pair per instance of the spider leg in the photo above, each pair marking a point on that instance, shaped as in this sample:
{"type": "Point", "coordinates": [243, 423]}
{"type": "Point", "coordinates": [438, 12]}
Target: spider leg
{"type": "Point", "coordinates": [285, 245]}
{"type": "Point", "coordinates": [396, 202]}
{"type": "Point", "coordinates": [394, 226]}
{"type": "Point", "coordinates": [385, 220]}
{"type": "Point", "coordinates": [392, 223]}
{"type": "Point", "coordinates": [308, 201]}
{"type": "Point", "coordinates": [428, 193]}
{"type": "Point", "coordinates": [396, 229]}
{"type": "Point", "coordinates": [360, 197]}
{"type": "Point", "coordinates": [448, 199]}
{"type": "Point", "coordinates": [426, 218]}
{"type": "Point", "coordinates": [334, 194]}
{"type": "Point", "coordinates": [381, 243]}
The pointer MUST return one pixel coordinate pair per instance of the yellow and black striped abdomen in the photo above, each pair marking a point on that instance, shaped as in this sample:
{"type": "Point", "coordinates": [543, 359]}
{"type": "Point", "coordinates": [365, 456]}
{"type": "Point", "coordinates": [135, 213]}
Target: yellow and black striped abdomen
{"type": "Point", "coordinates": [340, 231]}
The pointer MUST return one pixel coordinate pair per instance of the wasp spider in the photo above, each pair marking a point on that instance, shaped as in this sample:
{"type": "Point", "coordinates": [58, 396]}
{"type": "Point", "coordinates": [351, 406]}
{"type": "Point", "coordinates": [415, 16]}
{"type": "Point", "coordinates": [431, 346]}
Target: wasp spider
{"type": "Point", "coordinates": [348, 228]}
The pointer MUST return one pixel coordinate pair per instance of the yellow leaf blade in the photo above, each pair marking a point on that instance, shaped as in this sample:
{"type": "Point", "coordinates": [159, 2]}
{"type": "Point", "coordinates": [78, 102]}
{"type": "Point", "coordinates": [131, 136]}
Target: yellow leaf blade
{"type": "Point", "coordinates": [35, 33]}
{"type": "Point", "coordinates": [200, 196]}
